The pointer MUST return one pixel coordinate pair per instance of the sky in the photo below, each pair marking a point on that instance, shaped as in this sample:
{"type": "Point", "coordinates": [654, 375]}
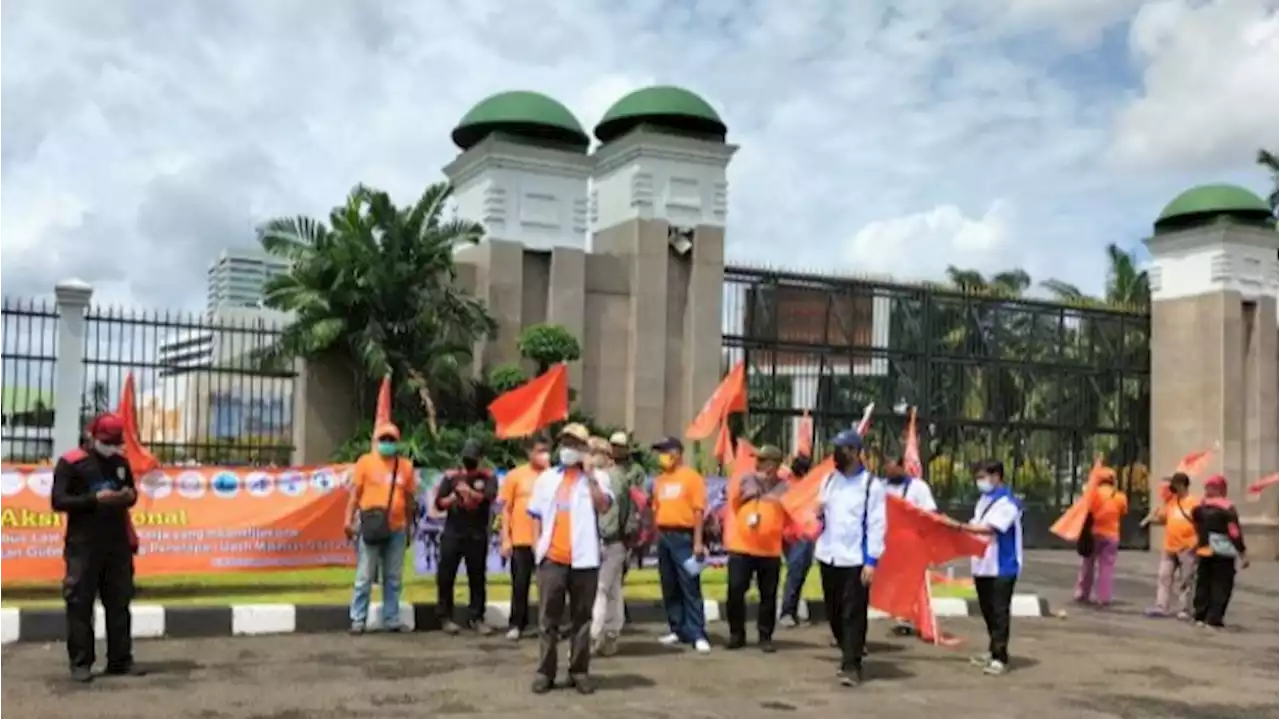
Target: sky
{"type": "Point", "coordinates": [891, 137]}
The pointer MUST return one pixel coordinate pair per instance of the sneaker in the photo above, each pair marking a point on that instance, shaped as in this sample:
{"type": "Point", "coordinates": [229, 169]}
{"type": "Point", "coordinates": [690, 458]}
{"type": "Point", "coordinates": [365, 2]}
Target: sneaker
{"type": "Point", "coordinates": [850, 677]}
{"type": "Point", "coordinates": [542, 685]}
{"type": "Point", "coordinates": [702, 646]}
{"type": "Point", "coordinates": [125, 670]}
{"type": "Point", "coordinates": [483, 629]}
{"type": "Point", "coordinates": [451, 628]}
{"type": "Point", "coordinates": [1183, 616]}
{"type": "Point", "coordinates": [788, 622]}
{"type": "Point", "coordinates": [583, 684]}
{"type": "Point", "coordinates": [513, 634]}
{"type": "Point", "coordinates": [766, 646]}
{"type": "Point", "coordinates": [902, 629]}
{"type": "Point", "coordinates": [736, 643]}
{"type": "Point", "coordinates": [81, 675]}
{"type": "Point", "coordinates": [834, 644]}
{"type": "Point", "coordinates": [1201, 625]}
{"type": "Point", "coordinates": [1155, 613]}
{"type": "Point", "coordinates": [980, 660]}
{"type": "Point", "coordinates": [394, 628]}
{"type": "Point", "coordinates": [357, 628]}
{"type": "Point", "coordinates": [994, 668]}
{"type": "Point", "coordinates": [608, 646]}
{"type": "Point", "coordinates": [669, 640]}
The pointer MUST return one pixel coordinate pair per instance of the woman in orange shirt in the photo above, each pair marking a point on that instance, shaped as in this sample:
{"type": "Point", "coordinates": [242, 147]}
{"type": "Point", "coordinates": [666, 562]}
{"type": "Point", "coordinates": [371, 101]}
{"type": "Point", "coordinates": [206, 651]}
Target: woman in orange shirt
{"type": "Point", "coordinates": [1107, 505]}
{"type": "Point", "coordinates": [1177, 570]}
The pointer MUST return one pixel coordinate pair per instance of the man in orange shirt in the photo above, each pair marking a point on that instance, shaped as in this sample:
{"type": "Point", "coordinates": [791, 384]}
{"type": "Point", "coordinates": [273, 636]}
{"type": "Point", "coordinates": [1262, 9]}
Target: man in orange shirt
{"type": "Point", "coordinates": [517, 529]}
{"type": "Point", "coordinates": [755, 547]}
{"type": "Point", "coordinates": [382, 500]}
{"type": "Point", "coordinates": [1177, 571]}
{"type": "Point", "coordinates": [679, 505]}
{"type": "Point", "coordinates": [1107, 505]}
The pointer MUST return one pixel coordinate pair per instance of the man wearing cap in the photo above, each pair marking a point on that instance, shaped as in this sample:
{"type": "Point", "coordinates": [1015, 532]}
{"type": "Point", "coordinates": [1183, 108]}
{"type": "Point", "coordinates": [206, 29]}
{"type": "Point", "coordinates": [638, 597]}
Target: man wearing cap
{"type": "Point", "coordinates": [679, 505]}
{"type": "Point", "coordinates": [95, 489]}
{"type": "Point", "coordinates": [755, 547]}
{"type": "Point", "coordinates": [466, 495]}
{"type": "Point", "coordinates": [379, 512]}
{"type": "Point", "coordinates": [852, 506]}
{"type": "Point", "coordinates": [566, 505]}
{"type": "Point", "coordinates": [517, 529]}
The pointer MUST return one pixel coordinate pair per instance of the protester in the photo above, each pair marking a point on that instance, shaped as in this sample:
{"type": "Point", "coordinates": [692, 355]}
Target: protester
{"type": "Point", "coordinates": [1177, 570]}
{"type": "Point", "coordinates": [852, 505]}
{"type": "Point", "coordinates": [95, 489]}
{"type": "Point", "coordinates": [566, 505]}
{"type": "Point", "coordinates": [616, 524]}
{"type": "Point", "coordinates": [636, 540]}
{"type": "Point", "coordinates": [679, 504]}
{"type": "Point", "coordinates": [916, 492]}
{"type": "Point", "coordinates": [1219, 543]}
{"type": "Point", "coordinates": [1107, 505]}
{"type": "Point", "coordinates": [467, 496]}
{"type": "Point", "coordinates": [755, 547]}
{"type": "Point", "coordinates": [997, 515]}
{"type": "Point", "coordinates": [380, 510]}
{"type": "Point", "coordinates": [517, 529]}
{"type": "Point", "coordinates": [799, 555]}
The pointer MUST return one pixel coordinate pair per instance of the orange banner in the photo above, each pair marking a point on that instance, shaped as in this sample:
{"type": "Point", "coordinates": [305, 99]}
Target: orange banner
{"type": "Point", "coordinates": [191, 520]}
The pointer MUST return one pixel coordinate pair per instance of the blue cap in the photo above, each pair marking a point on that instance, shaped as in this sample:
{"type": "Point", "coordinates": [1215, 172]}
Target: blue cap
{"type": "Point", "coordinates": [849, 439]}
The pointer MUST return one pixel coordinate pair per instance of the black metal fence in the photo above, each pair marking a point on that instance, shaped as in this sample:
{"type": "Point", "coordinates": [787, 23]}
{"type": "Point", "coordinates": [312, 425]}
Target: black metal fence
{"type": "Point", "coordinates": [1041, 386]}
{"type": "Point", "coordinates": [28, 359]}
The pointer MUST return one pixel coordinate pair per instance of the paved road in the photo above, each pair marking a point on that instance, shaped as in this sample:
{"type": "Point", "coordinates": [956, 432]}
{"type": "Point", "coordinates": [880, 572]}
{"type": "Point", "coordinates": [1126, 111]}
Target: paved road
{"type": "Point", "coordinates": [1087, 666]}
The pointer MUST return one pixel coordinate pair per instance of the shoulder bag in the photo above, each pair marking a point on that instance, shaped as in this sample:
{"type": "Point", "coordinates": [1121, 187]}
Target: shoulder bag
{"type": "Point", "coordinates": [375, 524]}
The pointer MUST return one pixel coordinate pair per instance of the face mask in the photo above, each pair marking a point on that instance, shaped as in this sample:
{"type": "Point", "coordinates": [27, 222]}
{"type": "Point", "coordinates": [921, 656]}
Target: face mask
{"type": "Point", "coordinates": [106, 450]}
{"type": "Point", "coordinates": [570, 457]}
{"type": "Point", "coordinates": [470, 464]}
{"type": "Point", "coordinates": [540, 460]}
{"type": "Point", "coordinates": [387, 449]}
{"type": "Point", "coordinates": [985, 485]}
{"type": "Point", "coordinates": [666, 461]}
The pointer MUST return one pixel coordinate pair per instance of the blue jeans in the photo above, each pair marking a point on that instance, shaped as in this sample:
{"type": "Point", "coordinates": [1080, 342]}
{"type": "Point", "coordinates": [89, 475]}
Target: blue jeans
{"type": "Point", "coordinates": [390, 558]}
{"type": "Point", "coordinates": [799, 558]}
{"type": "Point", "coordinates": [681, 593]}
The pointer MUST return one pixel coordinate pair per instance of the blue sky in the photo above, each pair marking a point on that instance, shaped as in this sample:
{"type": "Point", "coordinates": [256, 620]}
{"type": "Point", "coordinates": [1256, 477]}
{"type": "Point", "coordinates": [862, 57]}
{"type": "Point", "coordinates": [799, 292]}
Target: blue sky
{"type": "Point", "coordinates": [892, 137]}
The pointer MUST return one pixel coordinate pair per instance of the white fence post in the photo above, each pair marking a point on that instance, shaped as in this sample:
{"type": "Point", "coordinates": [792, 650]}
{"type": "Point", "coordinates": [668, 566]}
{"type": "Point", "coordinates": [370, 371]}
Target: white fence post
{"type": "Point", "coordinates": [73, 299]}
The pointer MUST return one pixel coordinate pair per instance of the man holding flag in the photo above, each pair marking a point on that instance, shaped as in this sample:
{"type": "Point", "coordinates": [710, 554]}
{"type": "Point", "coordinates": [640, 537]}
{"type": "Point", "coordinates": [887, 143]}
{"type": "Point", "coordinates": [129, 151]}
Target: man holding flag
{"type": "Point", "coordinates": [914, 491]}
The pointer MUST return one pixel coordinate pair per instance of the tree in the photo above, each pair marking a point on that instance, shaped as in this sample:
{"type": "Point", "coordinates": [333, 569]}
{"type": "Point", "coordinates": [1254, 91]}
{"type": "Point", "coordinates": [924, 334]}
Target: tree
{"type": "Point", "coordinates": [506, 377]}
{"type": "Point", "coordinates": [1127, 285]}
{"type": "Point", "coordinates": [548, 344]}
{"type": "Point", "coordinates": [1268, 159]}
{"type": "Point", "coordinates": [376, 289]}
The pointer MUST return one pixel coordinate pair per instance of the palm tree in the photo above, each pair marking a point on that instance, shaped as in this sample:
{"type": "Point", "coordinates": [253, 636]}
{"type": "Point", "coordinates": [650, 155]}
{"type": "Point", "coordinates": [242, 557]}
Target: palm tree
{"type": "Point", "coordinates": [1127, 285]}
{"type": "Point", "coordinates": [1268, 159]}
{"type": "Point", "coordinates": [376, 288]}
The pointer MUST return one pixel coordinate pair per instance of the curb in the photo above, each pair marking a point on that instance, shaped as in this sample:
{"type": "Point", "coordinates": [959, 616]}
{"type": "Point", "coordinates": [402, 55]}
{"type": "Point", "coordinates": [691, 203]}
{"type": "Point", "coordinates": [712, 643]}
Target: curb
{"type": "Point", "coordinates": [154, 621]}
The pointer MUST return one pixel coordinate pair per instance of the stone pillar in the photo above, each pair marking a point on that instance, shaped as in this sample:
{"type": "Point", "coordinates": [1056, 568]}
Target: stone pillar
{"type": "Point", "coordinates": [73, 299]}
{"type": "Point", "coordinates": [1214, 347]}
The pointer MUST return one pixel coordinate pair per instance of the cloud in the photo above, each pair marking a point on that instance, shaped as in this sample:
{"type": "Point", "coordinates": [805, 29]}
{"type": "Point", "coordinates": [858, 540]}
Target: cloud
{"type": "Point", "coordinates": [143, 138]}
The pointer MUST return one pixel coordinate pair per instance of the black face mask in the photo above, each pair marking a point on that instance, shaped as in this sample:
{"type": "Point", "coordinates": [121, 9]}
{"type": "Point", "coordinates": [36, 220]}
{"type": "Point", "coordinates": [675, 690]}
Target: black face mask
{"type": "Point", "coordinates": [898, 479]}
{"type": "Point", "coordinates": [470, 464]}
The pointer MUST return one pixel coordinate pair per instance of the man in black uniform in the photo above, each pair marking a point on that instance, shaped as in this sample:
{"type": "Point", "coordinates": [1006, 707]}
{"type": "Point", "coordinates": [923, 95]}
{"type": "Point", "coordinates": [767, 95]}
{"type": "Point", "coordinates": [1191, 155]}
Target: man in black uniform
{"type": "Point", "coordinates": [467, 496]}
{"type": "Point", "coordinates": [95, 489]}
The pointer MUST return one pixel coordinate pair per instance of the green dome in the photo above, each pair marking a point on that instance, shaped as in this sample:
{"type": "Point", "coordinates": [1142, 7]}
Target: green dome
{"type": "Point", "coordinates": [663, 106]}
{"type": "Point", "coordinates": [1209, 201]}
{"type": "Point", "coordinates": [526, 114]}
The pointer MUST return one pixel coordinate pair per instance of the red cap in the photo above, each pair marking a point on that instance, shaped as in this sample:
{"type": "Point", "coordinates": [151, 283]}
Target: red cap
{"type": "Point", "coordinates": [1216, 480]}
{"type": "Point", "coordinates": [107, 427]}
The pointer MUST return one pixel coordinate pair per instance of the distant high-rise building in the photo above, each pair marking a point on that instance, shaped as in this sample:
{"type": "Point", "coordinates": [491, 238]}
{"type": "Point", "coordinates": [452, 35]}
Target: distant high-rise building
{"type": "Point", "coordinates": [237, 278]}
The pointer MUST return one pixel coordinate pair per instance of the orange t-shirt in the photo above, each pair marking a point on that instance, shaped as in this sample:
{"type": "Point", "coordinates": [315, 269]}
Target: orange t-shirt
{"type": "Point", "coordinates": [765, 538]}
{"type": "Point", "coordinates": [561, 549]}
{"type": "Point", "coordinates": [516, 488]}
{"type": "Point", "coordinates": [678, 496]}
{"type": "Point", "coordinates": [1179, 530]}
{"type": "Point", "coordinates": [371, 481]}
{"type": "Point", "coordinates": [1107, 508]}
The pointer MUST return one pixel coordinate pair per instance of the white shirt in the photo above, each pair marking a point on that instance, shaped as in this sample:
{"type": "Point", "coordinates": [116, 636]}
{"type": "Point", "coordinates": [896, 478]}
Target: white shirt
{"type": "Point", "coordinates": [915, 491]}
{"type": "Point", "coordinates": [583, 535]}
{"type": "Point", "coordinates": [853, 520]}
{"type": "Point", "coordinates": [1002, 512]}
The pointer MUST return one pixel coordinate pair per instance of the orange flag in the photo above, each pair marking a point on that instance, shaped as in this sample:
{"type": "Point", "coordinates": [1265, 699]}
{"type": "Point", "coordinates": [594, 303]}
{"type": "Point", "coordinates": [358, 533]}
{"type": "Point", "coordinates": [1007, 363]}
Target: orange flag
{"type": "Point", "coordinates": [800, 501]}
{"type": "Point", "coordinates": [1257, 488]}
{"type": "Point", "coordinates": [533, 405]}
{"type": "Point", "coordinates": [911, 456]}
{"type": "Point", "coordinates": [730, 396]}
{"type": "Point", "coordinates": [744, 461]}
{"type": "Point", "coordinates": [1192, 464]}
{"type": "Point", "coordinates": [140, 459]}
{"type": "Point", "coordinates": [382, 415]}
{"type": "Point", "coordinates": [724, 446]}
{"type": "Point", "coordinates": [1071, 523]}
{"type": "Point", "coordinates": [804, 436]}
{"type": "Point", "coordinates": [865, 423]}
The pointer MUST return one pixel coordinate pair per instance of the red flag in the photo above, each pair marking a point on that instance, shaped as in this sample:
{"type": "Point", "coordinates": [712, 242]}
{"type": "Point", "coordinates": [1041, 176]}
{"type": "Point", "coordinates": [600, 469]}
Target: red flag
{"type": "Point", "coordinates": [533, 405]}
{"type": "Point", "coordinates": [804, 436]}
{"type": "Point", "coordinates": [911, 456]}
{"type": "Point", "coordinates": [382, 415]}
{"type": "Point", "coordinates": [865, 423]}
{"type": "Point", "coordinates": [800, 501]}
{"type": "Point", "coordinates": [730, 396]}
{"type": "Point", "coordinates": [140, 459]}
{"type": "Point", "coordinates": [1255, 490]}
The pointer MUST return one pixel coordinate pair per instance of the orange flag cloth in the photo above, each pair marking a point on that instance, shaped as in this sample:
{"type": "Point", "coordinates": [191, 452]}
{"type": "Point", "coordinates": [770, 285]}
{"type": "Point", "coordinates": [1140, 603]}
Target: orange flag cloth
{"type": "Point", "coordinates": [800, 501]}
{"type": "Point", "coordinates": [1256, 489]}
{"type": "Point", "coordinates": [533, 405]}
{"type": "Point", "coordinates": [1071, 523]}
{"type": "Point", "coordinates": [730, 396]}
{"type": "Point", "coordinates": [140, 459]}
{"type": "Point", "coordinates": [743, 463]}
{"type": "Point", "coordinates": [911, 455]}
{"type": "Point", "coordinates": [804, 436]}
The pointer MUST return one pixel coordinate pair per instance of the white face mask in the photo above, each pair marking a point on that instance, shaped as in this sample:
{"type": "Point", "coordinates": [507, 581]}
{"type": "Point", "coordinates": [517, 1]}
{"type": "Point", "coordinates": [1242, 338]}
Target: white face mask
{"type": "Point", "coordinates": [106, 450]}
{"type": "Point", "coordinates": [570, 457]}
{"type": "Point", "coordinates": [984, 485]}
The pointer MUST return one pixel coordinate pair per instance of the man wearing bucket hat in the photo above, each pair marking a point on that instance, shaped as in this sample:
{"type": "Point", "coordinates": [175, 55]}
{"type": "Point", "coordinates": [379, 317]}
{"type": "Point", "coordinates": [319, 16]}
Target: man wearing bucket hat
{"type": "Point", "coordinates": [852, 505]}
{"type": "Point", "coordinates": [95, 489]}
{"type": "Point", "coordinates": [565, 505]}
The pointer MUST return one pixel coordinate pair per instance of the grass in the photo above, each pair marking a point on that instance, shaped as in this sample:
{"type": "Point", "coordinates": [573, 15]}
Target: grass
{"type": "Point", "coordinates": [333, 586]}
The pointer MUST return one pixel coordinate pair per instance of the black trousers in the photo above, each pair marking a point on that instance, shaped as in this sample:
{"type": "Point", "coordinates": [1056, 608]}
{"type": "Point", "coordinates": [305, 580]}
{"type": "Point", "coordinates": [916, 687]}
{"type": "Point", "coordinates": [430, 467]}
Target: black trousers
{"type": "Point", "coordinates": [558, 585]}
{"type": "Point", "coordinates": [521, 576]}
{"type": "Point", "coordinates": [765, 571]}
{"type": "Point", "coordinates": [1215, 581]}
{"type": "Point", "coordinates": [995, 597]}
{"type": "Point", "coordinates": [454, 549]}
{"type": "Point", "coordinates": [94, 572]}
{"type": "Point", "coordinates": [846, 601]}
